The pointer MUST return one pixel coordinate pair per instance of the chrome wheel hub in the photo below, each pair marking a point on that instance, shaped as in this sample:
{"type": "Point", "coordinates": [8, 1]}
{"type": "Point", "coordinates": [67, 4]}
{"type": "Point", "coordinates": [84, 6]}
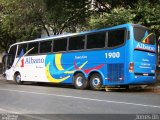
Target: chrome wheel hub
{"type": "Point", "coordinates": [79, 81]}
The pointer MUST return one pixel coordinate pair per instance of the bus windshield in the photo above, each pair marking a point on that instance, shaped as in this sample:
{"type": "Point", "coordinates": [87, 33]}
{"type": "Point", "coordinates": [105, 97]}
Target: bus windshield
{"type": "Point", "coordinates": [144, 35]}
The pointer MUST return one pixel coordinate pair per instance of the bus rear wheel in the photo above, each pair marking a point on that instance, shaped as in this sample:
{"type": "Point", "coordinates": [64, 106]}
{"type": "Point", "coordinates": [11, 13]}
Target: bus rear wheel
{"type": "Point", "coordinates": [17, 78]}
{"type": "Point", "coordinates": [96, 82]}
{"type": "Point", "coordinates": [80, 81]}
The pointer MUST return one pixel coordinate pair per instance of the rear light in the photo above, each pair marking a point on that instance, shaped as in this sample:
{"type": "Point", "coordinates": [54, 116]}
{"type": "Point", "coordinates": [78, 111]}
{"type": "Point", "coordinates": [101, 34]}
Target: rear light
{"type": "Point", "coordinates": [131, 67]}
{"type": "Point", "coordinates": [145, 74]}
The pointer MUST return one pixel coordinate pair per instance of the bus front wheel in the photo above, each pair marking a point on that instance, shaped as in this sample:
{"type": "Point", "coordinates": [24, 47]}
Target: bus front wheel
{"type": "Point", "coordinates": [96, 82]}
{"type": "Point", "coordinates": [17, 78]}
{"type": "Point", "coordinates": [80, 81]}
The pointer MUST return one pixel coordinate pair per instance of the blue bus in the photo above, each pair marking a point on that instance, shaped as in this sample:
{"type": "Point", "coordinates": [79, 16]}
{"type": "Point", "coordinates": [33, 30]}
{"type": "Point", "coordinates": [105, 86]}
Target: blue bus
{"type": "Point", "coordinates": [118, 56]}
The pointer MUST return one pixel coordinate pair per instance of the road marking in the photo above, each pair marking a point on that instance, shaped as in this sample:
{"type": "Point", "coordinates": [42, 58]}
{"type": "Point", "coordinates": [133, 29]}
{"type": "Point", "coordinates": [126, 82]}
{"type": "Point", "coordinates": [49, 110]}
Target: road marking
{"type": "Point", "coordinates": [81, 98]}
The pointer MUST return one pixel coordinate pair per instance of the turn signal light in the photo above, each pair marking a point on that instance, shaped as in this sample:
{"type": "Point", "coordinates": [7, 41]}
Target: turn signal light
{"type": "Point", "coordinates": [131, 67]}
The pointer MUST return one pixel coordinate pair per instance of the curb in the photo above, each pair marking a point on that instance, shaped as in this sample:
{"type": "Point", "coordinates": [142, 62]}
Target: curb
{"type": "Point", "coordinates": [136, 88]}
{"type": "Point", "coordinates": [155, 89]}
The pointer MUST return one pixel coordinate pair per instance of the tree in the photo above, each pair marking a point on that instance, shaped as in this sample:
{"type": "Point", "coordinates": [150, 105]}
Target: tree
{"type": "Point", "coordinates": [24, 20]}
{"type": "Point", "coordinates": [139, 12]}
{"type": "Point", "coordinates": [115, 17]}
{"type": "Point", "coordinates": [148, 16]}
{"type": "Point", "coordinates": [19, 21]}
{"type": "Point", "coordinates": [67, 15]}
{"type": "Point", "coordinates": [5, 39]}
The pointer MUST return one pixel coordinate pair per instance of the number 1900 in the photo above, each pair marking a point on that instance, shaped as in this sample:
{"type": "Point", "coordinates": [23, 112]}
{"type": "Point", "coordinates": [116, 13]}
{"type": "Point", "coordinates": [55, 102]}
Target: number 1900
{"type": "Point", "coordinates": [113, 55]}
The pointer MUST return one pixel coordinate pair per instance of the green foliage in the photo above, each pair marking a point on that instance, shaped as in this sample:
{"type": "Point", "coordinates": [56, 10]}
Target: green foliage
{"type": "Point", "coordinates": [19, 21]}
{"type": "Point", "coordinates": [138, 12]}
{"type": "Point", "coordinates": [22, 20]}
{"type": "Point", "coordinates": [66, 15]}
{"type": "Point", "coordinates": [115, 17]}
{"type": "Point", "coordinates": [148, 16]}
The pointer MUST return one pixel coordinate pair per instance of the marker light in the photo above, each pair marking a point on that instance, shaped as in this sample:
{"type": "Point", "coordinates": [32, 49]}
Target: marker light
{"type": "Point", "coordinates": [131, 67]}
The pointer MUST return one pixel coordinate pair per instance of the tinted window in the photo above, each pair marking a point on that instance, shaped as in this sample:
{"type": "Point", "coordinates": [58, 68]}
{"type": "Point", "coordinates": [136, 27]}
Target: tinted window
{"type": "Point", "coordinates": [11, 56]}
{"type": "Point", "coordinates": [22, 48]}
{"type": "Point", "coordinates": [34, 47]}
{"type": "Point", "coordinates": [76, 43]}
{"type": "Point", "coordinates": [96, 40]}
{"type": "Point", "coordinates": [144, 35]}
{"type": "Point", "coordinates": [45, 46]}
{"type": "Point", "coordinates": [116, 37]}
{"type": "Point", "coordinates": [12, 50]}
{"type": "Point", "coordinates": [60, 45]}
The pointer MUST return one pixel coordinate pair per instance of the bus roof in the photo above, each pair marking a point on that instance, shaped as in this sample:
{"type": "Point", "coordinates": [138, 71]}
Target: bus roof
{"type": "Point", "coordinates": [75, 34]}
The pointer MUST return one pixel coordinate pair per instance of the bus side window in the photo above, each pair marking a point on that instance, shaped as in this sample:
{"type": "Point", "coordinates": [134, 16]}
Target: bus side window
{"type": "Point", "coordinates": [76, 43]}
{"type": "Point", "coordinates": [22, 48]}
{"type": "Point", "coordinates": [45, 46]}
{"type": "Point", "coordinates": [116, 37]}
{"type": "Point", "coordinates": [96, 40]}
{"type": "Point", "coordinates": [60, 45]}
{"type": "Point", "coordinates": [33, 47]}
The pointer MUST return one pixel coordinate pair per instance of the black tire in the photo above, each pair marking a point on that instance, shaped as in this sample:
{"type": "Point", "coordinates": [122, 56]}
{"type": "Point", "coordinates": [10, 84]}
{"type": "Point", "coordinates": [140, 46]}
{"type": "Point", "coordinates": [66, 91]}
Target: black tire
{"type": "Point", "coordinates": [17, 78]}
{"type": "Point", "coordinates": [96, 82]}
{"type": "Point", "coordinates": [80, 81]}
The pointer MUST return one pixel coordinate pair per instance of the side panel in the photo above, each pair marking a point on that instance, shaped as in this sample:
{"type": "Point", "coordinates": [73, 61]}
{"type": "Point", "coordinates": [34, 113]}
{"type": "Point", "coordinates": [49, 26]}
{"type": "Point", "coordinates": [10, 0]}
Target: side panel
{"type": "Point", "coordinates": [62, 66]}
{"type": "Point", "coordinates": [31, 68]}
{"type": "Point", "coordinates": [59, 68]}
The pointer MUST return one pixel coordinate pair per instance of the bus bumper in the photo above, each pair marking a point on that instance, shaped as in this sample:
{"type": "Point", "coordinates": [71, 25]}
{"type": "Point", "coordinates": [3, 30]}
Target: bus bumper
{"type": "Point", "coordinates": [143, 80]}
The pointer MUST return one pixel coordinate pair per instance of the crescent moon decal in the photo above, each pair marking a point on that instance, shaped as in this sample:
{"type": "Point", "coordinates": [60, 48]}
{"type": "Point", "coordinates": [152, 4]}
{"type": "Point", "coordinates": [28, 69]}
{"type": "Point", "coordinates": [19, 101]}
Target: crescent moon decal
{"type": "Point", "coordinates": [58, 61]}
{"type": "Point", "coordinates": [57, 68]}
{"type": "Point", "coordinates": [50, 78]}
{"type": "Point", "coordinates": [59, 65]}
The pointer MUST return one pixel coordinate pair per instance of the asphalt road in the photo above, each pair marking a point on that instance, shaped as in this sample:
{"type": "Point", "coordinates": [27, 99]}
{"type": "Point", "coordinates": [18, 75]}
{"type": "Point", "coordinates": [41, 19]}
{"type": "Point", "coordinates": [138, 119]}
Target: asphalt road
{"type": "Point", "coordinates": [47, 99]}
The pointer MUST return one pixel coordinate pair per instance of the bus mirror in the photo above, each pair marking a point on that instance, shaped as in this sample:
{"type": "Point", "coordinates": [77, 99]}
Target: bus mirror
{"type": "Point", "coordinates": [4, 62]}
{"type": "Point", "coordinates": [4, 56]}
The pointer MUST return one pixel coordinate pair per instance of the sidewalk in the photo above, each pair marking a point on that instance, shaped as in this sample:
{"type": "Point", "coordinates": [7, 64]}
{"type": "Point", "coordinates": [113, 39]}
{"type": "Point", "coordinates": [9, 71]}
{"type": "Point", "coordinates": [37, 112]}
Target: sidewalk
{"type": "Point", "coordinates": [155, 87]}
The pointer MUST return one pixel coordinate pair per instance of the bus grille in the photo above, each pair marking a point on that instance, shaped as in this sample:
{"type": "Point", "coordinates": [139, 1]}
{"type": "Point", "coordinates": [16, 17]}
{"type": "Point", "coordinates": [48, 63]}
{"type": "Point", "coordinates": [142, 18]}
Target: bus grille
{"type": "Point", "coordinates": [115, 72]}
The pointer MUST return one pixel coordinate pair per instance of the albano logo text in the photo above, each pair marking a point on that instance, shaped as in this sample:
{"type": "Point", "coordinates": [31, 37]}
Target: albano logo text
{"type": "Point", "coordinates": [143, 46]}
{"type": "Point", "coordinates": [31, 60]}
